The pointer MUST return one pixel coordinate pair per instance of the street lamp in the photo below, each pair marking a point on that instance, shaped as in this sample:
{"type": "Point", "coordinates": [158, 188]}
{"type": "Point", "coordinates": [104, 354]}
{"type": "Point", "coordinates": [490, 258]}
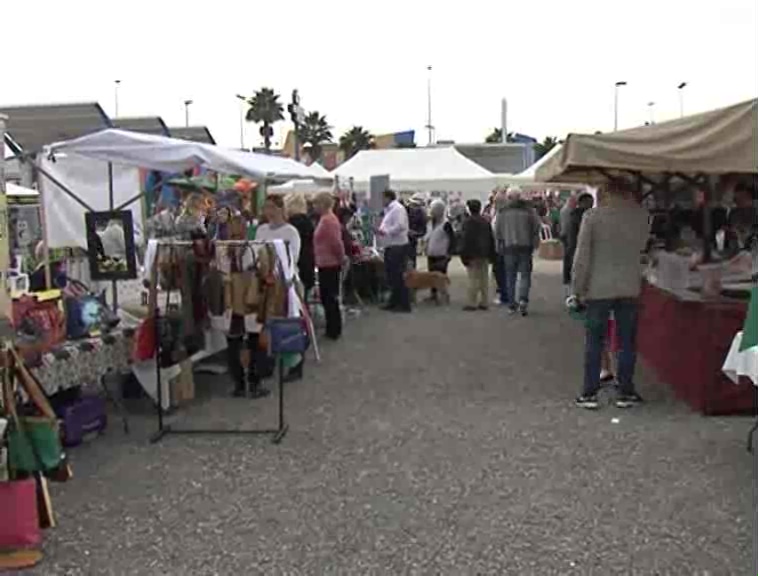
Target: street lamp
{"type": "Point", "coordinates": [616, 105]}
{"type": "Point", "coordinates": [115, 90]}
{"type": "Point", "coordinates": [681, 88]}
{"type": "Point", "coordinates": [429, 125]}
{"type": "Point", "coordinates": [242, 120]}
{"type": "Point", "coordinates": [651, 107]}
{"type": "Point", "coordinates": [187, 104]}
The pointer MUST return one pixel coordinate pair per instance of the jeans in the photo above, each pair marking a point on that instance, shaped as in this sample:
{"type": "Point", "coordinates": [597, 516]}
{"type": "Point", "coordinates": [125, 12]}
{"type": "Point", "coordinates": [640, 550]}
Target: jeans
{"type": "Point", "coordinates": [498, 271]}
{"type": "Point", "coordinates": [518, 274]}
{"type": "Point", "coordinates": [395, 265]}
{"type": "Point", "coordinates": [625, 312]}
{"type": "Point", "coordinates": [329, 289]}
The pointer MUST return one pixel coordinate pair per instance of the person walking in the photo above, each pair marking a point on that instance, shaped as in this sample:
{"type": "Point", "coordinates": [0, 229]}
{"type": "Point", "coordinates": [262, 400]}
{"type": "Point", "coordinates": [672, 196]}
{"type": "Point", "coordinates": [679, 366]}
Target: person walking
{"type": "Point", "coordinates": [477, 251]}
{"type": "Point", "coordinates": [607, 278]}
{"type": "Point", "coordinates": [564, 228]}
{"type": "Point", "coordinates": [518, 236]}
{"type": "Point", "coordinates": [439, 242]}
{"type": "Point", "coordinates": [393, 234]}
{"type": "Point", "coordinates": [417, 225]}
{"type": "Point", "coordinates": [297, 215]}
{"type": "Point", "coordinates": [498, 266]}
{"type": "Point", "coordinates": [329, 253]}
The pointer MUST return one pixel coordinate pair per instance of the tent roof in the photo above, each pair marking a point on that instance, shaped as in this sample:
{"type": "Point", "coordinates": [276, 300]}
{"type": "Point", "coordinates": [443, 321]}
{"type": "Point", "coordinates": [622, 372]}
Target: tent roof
{"type": "Point", "coordinates": [172, 155]}
{"type": "Point", "coordinates": [718, 142]}
{"type": "Point", "coordinates": [32, 127]}
{"type": "Point", "coordinates": [192, 133]}
{"type": "Point", "coordinates": [412, 164]}
{"type": "Point", "coordinates": [145, 125]}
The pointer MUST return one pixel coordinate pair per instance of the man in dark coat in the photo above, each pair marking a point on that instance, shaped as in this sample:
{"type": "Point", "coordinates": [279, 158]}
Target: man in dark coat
{"type": "Point", "coordinates": [477, 251]}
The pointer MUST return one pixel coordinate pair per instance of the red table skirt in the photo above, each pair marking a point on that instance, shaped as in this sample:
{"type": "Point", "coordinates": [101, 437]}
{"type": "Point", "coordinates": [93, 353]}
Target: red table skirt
{"type": "Point", "coordinates": [686, 344]}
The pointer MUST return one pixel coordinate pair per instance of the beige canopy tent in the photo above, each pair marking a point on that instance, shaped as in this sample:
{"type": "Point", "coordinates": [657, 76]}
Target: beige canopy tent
{"type": "Point", "coordinates": [713, 143]}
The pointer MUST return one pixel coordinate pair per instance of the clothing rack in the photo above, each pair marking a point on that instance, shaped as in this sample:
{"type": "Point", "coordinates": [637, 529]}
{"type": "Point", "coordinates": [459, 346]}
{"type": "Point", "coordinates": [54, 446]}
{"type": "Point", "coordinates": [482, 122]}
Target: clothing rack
{"type": "Point", "coordinates": [164, 429]}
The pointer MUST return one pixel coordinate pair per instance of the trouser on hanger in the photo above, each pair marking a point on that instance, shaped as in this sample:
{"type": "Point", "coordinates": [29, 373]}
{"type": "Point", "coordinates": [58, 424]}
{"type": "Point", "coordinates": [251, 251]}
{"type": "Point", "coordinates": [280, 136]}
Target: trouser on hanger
{"type": "Point", "coordinates": [329, 284]}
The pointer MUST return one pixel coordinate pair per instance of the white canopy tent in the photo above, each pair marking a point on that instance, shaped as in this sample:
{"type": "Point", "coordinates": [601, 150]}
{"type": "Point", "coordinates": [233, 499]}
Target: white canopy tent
{"type": "Point", "coordinates": [441, 170]}
{"type": "Point", "coordinates": [173, 155]}
{"type": "Point", "coordinates": [17, 191]}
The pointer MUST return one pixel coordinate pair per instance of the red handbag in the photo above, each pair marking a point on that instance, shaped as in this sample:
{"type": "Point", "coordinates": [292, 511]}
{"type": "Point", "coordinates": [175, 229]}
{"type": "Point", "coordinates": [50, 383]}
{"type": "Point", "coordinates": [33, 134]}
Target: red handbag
{"type": "Point", "coordinates": [19, 527]}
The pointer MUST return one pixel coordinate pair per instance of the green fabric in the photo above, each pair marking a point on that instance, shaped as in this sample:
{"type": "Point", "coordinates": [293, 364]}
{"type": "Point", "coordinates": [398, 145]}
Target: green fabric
{"type": "Point", "coordinates": [291, 360]}
{"type": "Point", "coordinates": [750, 328]}
{"type": "Point", "coordinates": [35, 446]}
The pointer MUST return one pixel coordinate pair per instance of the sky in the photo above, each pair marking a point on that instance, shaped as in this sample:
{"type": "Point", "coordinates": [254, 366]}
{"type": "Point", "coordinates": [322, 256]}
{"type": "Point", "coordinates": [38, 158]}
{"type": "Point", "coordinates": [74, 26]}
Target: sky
{"type": "Point", "coordinates": [365, 63]}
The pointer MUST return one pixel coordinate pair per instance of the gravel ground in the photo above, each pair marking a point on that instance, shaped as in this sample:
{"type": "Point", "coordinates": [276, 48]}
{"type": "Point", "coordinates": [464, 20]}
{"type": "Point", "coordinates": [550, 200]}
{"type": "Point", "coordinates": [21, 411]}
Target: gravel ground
{"type": "Point", "coordinates": [441, 442]}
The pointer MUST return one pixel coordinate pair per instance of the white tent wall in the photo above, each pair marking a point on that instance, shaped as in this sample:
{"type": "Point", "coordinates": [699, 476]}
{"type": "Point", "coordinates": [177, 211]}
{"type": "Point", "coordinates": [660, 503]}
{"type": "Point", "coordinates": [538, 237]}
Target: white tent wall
{"type": "Point", "coordinates": [88, 179]}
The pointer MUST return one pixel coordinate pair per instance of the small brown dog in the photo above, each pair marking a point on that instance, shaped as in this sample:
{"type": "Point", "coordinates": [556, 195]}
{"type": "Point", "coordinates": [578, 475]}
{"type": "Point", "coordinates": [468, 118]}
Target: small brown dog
{"type": "Point", "coordinates": [415, 281]}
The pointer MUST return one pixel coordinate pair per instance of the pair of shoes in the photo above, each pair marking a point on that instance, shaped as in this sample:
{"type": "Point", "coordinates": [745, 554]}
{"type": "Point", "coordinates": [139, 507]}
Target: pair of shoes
{"type": "Point", "coordinates": [587, 401]}
{"type": "Point", "coordinates": [523, 308]}
{"type": "Point", "coordinates": [469, 308]}
{"type": "Point", "coordinates": [483, 307]}
{"type": "Point", "coordinates": [628, 400]}
{"type": "Point", "coordinates": [512, 309]}
{"type": "Point", "coordinates": [259, 391]}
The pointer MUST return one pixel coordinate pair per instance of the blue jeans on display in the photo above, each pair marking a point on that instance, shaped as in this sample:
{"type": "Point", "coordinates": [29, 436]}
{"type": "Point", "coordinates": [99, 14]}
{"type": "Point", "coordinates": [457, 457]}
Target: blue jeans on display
{"type": "Point", "coordinates": [518, 276]}
{"type": "Point", "coordinates": [625, 311]}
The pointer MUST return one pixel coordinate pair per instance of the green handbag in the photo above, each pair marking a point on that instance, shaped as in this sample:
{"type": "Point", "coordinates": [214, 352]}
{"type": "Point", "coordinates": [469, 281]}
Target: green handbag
{"type": "Point", "coordinates": [33, 445]}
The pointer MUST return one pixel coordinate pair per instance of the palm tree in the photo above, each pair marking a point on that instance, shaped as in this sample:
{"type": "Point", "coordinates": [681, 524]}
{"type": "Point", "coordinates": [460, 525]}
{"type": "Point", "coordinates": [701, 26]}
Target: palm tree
{"type": "Point", "coordinates": [355, 140]}
{"type": "Point", "coordinates": [542, 148]}
{"type": "Point", "coordinates": [314, 131]}
{"type": "Point", "coordinates": [265, 109]}
{"type": "Point", "coordinates": [496, 136]}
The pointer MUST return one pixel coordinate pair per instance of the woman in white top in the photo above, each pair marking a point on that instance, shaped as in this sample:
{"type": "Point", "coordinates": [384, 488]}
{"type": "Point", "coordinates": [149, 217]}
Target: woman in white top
{"type": "Point", "coordinates": [277, 227]}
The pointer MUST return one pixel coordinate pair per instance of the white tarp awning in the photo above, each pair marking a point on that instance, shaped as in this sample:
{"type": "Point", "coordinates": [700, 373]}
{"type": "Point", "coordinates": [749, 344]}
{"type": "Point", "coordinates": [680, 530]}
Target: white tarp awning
{"type": "Point", "coordinates": [172, 155]}
{"type": "Point", "coordinates": [419, 169]}
{"type": "Point", "coordinates": [307, 187]}
{"type": "Point", "coordinates": [19, 191]}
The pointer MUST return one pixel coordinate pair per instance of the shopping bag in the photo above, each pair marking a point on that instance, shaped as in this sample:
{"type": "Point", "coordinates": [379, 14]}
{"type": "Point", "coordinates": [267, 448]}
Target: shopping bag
{"type": "Point", "coordinates": [33, 445]}
{"type": "Point", "coordinates": [287, 336]}
{"type": "Point", "coordinates": [19, 527]}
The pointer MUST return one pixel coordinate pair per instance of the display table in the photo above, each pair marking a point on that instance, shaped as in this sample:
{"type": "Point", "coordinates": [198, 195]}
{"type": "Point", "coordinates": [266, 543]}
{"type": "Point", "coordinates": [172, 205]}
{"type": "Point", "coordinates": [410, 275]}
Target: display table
{"type": "Point", "coordinates": [83, 362]}
{"type": "Point", "coordinates": [685, 339]}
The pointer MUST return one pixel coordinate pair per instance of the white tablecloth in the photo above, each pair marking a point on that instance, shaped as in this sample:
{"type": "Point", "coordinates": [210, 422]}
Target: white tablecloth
{"type": "Point", "coordinates": [743, 363]}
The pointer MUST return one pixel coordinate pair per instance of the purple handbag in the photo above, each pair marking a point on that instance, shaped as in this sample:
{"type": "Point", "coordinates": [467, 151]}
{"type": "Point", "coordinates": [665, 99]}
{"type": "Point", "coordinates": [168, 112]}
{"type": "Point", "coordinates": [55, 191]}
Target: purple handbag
{"type": "Point", "coordinates": [83, 416]}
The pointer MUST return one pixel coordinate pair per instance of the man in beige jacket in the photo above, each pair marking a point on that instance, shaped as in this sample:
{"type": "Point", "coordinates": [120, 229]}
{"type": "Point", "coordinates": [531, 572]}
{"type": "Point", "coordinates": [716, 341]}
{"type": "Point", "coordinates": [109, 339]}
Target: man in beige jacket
{"type": "Point", "coordinates": [607, 278]}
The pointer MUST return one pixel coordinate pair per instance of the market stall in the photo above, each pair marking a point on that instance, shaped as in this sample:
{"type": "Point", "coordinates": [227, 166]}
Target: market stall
{"type": "Point", "coordinates": [693, 301]}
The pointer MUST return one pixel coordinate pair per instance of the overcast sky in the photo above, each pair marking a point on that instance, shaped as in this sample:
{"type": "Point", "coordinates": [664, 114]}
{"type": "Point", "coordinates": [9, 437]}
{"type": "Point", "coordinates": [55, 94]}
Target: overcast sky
{"type": "Point", "coordinates": [364, 62]}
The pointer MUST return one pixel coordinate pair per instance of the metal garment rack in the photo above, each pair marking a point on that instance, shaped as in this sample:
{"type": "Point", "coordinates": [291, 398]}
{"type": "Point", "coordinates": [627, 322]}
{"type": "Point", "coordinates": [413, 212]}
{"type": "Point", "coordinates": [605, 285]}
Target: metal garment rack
{"type": "Point", "coordinates": [164, 429]}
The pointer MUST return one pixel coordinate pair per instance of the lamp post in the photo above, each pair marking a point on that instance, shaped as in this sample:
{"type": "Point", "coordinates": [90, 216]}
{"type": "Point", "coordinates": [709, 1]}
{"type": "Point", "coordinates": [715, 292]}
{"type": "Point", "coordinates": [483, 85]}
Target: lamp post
{"type": "Point", "coordinates": [242, 120]}
{"type": "Point", "coordinates": [616, 105]}
{"type": "Point", "coordinates": [429, 125]}
{"type": "Point", "coordinates": [681, 88]}
{"type": "Point", "coordinates": [117, 83]}
{"type": "Point", "coordinates": [651, 108]}
{"type": "Point", "coordinates": [187, 104]}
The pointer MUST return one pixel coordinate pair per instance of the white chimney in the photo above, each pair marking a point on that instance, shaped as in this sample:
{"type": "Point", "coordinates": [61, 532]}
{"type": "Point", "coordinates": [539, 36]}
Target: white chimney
{"type": "Point", "coordinates": [504, 121]}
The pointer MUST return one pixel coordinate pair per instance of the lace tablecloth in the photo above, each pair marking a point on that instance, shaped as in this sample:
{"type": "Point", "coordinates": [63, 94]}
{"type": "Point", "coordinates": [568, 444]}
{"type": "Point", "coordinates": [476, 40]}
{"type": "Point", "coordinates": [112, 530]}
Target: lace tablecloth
{"type": "Point", "coordinates": [83, 362]}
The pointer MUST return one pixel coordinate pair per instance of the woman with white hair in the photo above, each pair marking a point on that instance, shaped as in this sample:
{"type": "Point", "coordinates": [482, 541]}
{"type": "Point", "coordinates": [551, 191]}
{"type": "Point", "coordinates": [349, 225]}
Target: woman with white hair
{"type": "Point", "coordinates": [439, 241]}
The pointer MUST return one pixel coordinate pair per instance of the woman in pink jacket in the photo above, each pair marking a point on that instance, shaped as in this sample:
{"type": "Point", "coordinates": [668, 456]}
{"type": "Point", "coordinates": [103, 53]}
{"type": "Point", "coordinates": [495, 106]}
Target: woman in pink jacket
{"type": "Point", "coordinates": [329, 251]}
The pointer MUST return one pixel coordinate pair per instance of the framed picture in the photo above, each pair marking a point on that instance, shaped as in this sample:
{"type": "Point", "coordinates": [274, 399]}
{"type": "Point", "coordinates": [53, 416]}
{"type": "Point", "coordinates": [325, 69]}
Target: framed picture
{"type": "Point", "coordinates": [110, 245]}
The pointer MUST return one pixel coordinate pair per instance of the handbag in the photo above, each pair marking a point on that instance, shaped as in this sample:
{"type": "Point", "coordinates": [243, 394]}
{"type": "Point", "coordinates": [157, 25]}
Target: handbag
{"type": "Point", "coordinates": [20, 525]}
{"type": "Point", "coordinates": [33, 441]}
{"type": "Point", "coordinates": [287, 336]}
